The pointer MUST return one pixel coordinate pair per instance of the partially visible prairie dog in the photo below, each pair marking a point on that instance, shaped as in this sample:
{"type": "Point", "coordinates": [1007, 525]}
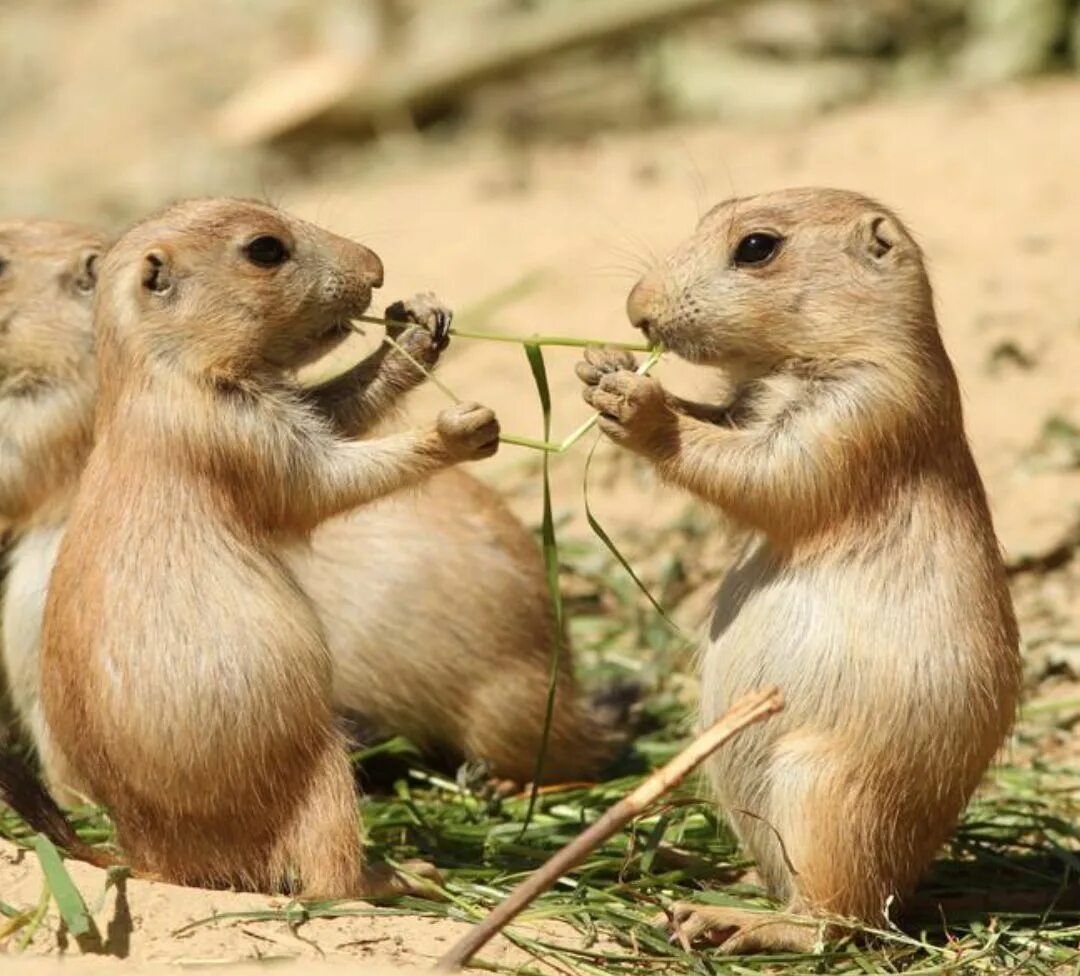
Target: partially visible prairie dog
{"type": "Point", "coordinates": [436, 610]}
{"type": "Point", "coordinates": [433, 601]}
{"type": "Point", "coordinates": [873, 592]}
{"type": "Point", "coordinates": [47, 273]}
{"type": "Point", "coordinates": [186, 680]}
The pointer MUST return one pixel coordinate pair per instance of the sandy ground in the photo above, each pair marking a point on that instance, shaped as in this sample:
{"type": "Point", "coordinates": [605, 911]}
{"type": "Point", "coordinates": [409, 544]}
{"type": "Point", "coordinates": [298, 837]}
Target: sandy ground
{"type": "Point", "coordinates": [988, 182]}
{"type": "Point", "coordinates": [146, 924]}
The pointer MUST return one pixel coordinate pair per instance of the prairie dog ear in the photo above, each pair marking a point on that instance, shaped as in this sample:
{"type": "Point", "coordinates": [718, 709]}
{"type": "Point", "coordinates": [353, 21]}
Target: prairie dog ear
{"type": "Point", "coordinates": [879, 238]}
{"type": "Point", "coordinates": [86, 271]}
{"type": "Point", "coordinates": [157, 276]}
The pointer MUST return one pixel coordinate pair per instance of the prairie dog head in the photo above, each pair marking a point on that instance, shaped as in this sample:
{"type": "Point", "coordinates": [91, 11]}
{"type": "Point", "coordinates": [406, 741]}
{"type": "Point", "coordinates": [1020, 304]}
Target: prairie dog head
{"type": "Point", "coordinates": [48, 272]}
{"type": "Point", "coordinates": [231, 288]}
{"type": "Point", "coordinates": [804, 275]}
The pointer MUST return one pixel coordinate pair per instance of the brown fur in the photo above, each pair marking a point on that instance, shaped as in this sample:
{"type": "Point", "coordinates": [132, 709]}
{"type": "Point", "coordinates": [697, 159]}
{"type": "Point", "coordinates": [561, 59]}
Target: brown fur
{"type": "Point", "coordinates": [459, 669]}
{"type": "Point", "coordinates": [185, 674]}
{"type": "Point", "coordinates": [47, 272]}
{"type": "Point", "coordinates": [440, 592]}
{"type": "Point", "coordinates": [873, 592]}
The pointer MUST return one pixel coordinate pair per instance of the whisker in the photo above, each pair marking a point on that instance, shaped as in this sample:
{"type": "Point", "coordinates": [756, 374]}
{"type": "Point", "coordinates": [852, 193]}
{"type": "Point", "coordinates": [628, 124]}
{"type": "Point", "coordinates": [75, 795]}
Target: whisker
{"type": "Point", "coordinates": [699, 186]}
{"type": "Point", "coordinates": [615, 271]}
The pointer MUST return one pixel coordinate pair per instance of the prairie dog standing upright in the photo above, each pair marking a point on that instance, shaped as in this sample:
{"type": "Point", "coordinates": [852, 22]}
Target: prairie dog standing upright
{"type": "Point", "coordinates": [47, 275]}
{"type": "Point", "coordinates": [873, 592]}
{"type": "Point", "coordinates": [463, 676]}
{"type": "Point", "coordinates": [185, 676]}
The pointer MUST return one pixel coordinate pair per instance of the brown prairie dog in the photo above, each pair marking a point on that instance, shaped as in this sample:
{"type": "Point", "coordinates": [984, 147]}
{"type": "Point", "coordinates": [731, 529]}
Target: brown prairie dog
{"type": "Point", "coordinates": [450, 651]}
{"type": "Point", "coordinates": [873, 591]}
{"type": "Point", "coordinates": [436, 609]}
{"type": "Point", "coordinates": [186, 680]}
{"type": "Point", "coordinates": [47, 275]}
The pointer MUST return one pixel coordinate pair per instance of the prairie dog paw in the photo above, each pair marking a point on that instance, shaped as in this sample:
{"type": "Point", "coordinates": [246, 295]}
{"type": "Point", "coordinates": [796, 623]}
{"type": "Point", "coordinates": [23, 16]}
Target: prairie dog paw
{"type": "Point", "coordinates": [433, 319]}
{"type": "Point", "coordinates": [600, 360]}
{"type": "Point", "coordinates": [417, 878]}
{"type": "Point", "coordinates": [633, 409]}
{"type": "Point", "coordinates": [741, 931]}
{"type": "Point", "coordinates": [468, 431]}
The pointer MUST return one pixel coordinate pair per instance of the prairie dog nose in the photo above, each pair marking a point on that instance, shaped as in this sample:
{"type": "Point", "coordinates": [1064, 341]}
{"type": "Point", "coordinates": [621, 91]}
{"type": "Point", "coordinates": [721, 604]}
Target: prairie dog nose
{"type": "Point", "coordinates": [372, 273]}
{"type": "Point", "coordinates": [641, 304]}
{"type": "Point", "coordinates": [350, 265]}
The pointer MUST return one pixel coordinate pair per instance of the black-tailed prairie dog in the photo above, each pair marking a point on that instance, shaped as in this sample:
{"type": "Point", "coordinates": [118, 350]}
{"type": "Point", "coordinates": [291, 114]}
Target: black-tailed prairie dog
{"type": "Point", "coordinates": [185, 675]}
{"type": "Point", "coordinates": [464, 678]}
{"type": "Point", "coordinates": [47, 275]}
{"type": "Point", "coordinates": [872, 592]}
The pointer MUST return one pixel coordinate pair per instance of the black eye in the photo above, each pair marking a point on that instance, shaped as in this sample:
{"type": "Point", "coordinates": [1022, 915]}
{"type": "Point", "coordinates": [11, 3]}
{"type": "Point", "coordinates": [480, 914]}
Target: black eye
{"type": "Point", "coordinates": [756, 248]}
{"type": "Point", "coordinates": [3, 266]}
{"type": "Point", "coordinates": [267, 252]}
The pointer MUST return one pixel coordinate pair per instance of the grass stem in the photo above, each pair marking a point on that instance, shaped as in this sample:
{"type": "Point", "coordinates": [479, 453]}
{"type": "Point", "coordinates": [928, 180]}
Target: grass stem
{"type": "Point", "coordinates": [751, 708]}
{"type": "Point", "coordinates": [570, 342]}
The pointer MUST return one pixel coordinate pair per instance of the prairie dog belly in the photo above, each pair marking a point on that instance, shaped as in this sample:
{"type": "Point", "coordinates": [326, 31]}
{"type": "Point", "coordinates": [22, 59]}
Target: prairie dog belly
{"type": "Point", "coordinates": [30, 565]}
{"type": "Point", "coordinates": [853, 644]}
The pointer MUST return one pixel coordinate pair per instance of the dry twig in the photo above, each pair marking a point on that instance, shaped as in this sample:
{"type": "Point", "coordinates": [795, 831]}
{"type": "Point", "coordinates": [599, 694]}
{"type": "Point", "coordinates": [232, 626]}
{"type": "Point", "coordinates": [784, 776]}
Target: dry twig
{"type": "Point", "coordinates": [746, 711]}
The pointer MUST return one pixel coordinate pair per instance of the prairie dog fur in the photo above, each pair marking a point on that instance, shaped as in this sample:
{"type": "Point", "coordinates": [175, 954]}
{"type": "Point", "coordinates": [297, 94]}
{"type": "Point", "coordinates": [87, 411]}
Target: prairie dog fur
{"type": "Point", "coordinates": [873, 591]}
{"type": "Point", "coordinates": [185, 675]}
{"type": "Point", "coordinates": [433, 601]}
{"type": "Point", "coordinates": [440, 591]}
{"type": "Point", "coordinates": [47, 275]}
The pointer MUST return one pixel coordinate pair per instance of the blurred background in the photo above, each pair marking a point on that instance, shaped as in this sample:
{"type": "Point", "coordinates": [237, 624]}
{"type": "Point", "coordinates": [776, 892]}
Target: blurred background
{"type": "Point", "coordinates": [528, 158]}
{"type": "Point", "coordinates": [110, 106]}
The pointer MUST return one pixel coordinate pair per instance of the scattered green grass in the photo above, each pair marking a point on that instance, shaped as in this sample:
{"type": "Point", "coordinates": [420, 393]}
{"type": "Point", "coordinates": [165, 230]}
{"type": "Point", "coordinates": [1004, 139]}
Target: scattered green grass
{"type": "Point", "coordinates": [1021, 837]}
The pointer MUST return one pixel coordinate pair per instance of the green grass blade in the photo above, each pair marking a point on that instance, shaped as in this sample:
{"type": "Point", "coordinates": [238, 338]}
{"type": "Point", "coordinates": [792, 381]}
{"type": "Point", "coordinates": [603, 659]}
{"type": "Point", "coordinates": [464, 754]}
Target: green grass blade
{"type": "Point", "coordinates": [69, 902]}
{"type": "Point", "coordinates": [602, 535]}
{"type": "Point", "coordinates": [551, 565]}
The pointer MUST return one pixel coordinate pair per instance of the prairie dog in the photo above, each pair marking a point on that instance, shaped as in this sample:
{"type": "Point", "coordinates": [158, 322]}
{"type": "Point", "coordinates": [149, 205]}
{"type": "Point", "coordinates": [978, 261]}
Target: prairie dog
{"type": "Point", "coordinates": [433, 601]}
{"type": "Point", "coordinates": [47, 276]}
{"type": "Point", "coordinates": [873, 591]}
{"type": "Point", "coordinates": [185, 675]}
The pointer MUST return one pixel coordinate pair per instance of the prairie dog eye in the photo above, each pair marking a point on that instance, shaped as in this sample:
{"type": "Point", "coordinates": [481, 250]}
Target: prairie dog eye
{"type": "Point", "coordinates": [756, 249]}
{"type": "Point", "coordinates": [267, 251]}
{"type": "Point", "coordinates": [3, 266]}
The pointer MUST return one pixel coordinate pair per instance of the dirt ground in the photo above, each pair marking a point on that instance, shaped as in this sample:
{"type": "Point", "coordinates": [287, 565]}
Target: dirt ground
{"type": "Point", "coordinates": [987, 181]}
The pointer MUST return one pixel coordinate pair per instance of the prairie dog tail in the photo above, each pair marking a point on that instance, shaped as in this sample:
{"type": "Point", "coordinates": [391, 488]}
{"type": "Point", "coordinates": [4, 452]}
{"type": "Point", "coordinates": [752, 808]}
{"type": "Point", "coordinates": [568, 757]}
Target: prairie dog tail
{"type": "Point", "coordinates": [21, 790]}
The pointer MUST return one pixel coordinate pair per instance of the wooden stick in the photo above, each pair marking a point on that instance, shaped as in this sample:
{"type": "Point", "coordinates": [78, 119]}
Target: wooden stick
{"type": "Point", "coordinates": [747, 710]}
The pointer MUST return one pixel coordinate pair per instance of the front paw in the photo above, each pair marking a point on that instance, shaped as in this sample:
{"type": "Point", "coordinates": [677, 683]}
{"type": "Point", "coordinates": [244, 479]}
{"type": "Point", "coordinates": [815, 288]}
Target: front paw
{"type": "Point", "coordinates": [431, 333]}
{"type": "Point", "coordinates": [468, 432]}
{"type": "Point", "coordinates": [601, 360]}
{"type": "Point", "coordinates": [634, 410]}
